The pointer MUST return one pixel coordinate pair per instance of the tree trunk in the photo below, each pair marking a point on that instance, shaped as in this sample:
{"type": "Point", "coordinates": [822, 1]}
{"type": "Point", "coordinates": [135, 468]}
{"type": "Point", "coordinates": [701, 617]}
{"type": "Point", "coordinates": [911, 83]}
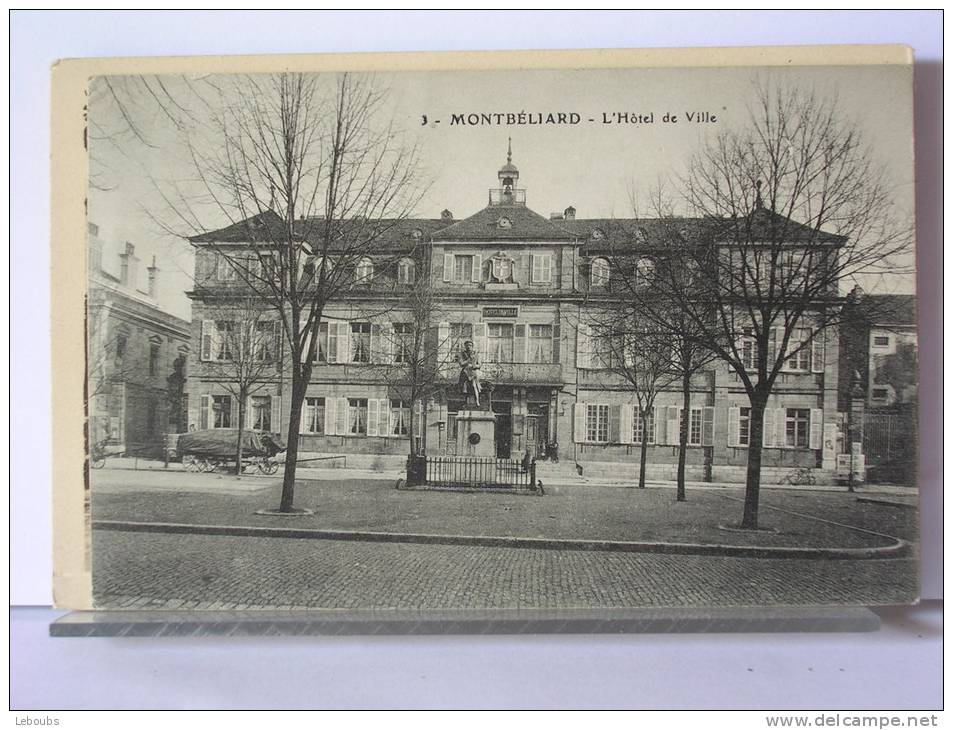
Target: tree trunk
{"type": "Point", "coordinates": [683, 436]}
{"type": "Point", "coordinates": [241, 430]}
{"type": "Point", "coordinates": [299, 387]}
{"type": "Point", "coordinates": [753, 479]}
{"type": "Point", "coordinates": [644, 452]}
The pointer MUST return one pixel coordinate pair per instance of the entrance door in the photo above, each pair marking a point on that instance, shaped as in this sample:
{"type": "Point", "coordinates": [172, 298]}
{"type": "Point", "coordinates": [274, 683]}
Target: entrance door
{"type": "Point", "coordinates": [504, 428]}
{"type": "Point", "coordinates": [537, 430]}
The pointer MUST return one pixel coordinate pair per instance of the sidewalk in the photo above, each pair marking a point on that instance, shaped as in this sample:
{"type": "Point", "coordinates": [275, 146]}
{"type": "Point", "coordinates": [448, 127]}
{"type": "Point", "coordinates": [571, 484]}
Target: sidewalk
{"type": "Point", "coordinates": [367, 507]}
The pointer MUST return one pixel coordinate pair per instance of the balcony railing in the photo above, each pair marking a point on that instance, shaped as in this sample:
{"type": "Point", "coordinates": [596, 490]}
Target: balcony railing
{"type": "Point", "coordinates": [514, 373]}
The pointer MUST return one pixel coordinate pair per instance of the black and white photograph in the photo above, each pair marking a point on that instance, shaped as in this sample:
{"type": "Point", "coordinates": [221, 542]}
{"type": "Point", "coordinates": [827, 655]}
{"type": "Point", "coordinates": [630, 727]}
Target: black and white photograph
{"type": "Point", "coordinates": [525, 338]}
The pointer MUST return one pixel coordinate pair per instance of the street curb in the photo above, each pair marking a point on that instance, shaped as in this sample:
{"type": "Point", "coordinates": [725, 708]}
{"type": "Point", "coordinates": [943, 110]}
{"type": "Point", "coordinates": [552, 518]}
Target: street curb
{"type": "Point", "coordinates": [899, 548]}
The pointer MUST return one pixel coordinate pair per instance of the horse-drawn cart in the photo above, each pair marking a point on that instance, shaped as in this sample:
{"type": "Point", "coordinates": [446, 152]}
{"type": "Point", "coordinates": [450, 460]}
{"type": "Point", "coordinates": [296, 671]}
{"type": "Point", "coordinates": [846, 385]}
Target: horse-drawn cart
{"type": "Point", "coordinates": [208, 450]}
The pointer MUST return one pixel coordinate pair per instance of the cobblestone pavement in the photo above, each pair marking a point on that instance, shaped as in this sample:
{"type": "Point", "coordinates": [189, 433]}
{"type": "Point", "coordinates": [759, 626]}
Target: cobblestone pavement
{"type": "Point", "coordinates": [155, 570]}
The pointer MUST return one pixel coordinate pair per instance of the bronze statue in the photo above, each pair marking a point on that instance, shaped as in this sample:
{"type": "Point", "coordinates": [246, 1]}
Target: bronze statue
{"type": "Point", "coordinates": [469, 380]}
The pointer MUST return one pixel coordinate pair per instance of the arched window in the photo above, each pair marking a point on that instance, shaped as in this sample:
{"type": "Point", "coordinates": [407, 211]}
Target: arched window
{"type": "Point", "coordinates": [364, 272]}
{"type": "Point", "coordinates": [644, 271]}
{"type": "Point", "coordinates": [406, 271]}
{"type": "Point", "coordinates": [599, 274]}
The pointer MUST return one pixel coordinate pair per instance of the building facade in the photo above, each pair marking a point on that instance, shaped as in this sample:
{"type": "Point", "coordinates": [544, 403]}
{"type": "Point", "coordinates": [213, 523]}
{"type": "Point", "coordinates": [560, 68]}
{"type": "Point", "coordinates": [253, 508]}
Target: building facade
{"type": "Point", "coordinates": [521, 287]}
{"type": "Point", "coordinates": [137, 355]}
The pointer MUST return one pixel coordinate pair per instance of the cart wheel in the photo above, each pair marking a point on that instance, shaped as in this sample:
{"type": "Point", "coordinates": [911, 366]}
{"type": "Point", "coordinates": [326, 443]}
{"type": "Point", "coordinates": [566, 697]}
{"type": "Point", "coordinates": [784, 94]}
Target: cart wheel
{"type": "Point", "coordinates": [98, 462]}
{"type": "Point", "coordinates": [268, 466]}
{"type": "Point", "coordinates": [189, 463]}
{"type": "Point", "coordinates": [208, 465]}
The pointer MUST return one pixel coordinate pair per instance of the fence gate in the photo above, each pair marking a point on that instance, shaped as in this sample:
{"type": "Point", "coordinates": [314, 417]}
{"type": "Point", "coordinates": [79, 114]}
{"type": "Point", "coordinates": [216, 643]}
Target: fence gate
{"type": "Point", "coordinates": [890, 446]}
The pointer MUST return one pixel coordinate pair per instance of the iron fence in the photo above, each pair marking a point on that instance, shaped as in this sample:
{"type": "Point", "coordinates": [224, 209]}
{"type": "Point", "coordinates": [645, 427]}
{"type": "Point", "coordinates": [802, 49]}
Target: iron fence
{"type": "Point", "coordinates": [470, 471]}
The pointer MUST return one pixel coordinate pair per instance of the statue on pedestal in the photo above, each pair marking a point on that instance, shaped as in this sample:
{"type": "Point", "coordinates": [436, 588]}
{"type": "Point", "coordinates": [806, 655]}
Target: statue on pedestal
{"type": "Point", "coordinates": [469, 380]}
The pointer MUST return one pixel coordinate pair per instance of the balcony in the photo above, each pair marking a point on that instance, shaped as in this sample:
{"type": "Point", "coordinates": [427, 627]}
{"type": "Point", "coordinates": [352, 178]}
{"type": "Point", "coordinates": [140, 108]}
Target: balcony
{"type": "Point", "coordinates": [522, 373]}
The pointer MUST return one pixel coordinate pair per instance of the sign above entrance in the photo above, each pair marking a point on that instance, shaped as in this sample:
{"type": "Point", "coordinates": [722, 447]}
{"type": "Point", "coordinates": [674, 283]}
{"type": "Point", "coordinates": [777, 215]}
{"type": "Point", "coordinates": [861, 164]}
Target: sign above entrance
{"type": "Point", "coordinates": [490, 312]}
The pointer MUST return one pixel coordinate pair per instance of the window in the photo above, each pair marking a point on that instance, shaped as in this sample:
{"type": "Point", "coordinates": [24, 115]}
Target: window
{"type": "Point", "coordinates": [357, 416]}
{"type": "Point", "coordinates": [406, 272]}
{"type": "Point", "coordinates": [694, 426]}
{"type": "Point", "coordinates": [269, 271]}
{"type": "Point", "coordinates": [225, 269]}
{"type": "Point", "coordinates": [644, 271]}
{"type": "Point", "coordinates": [599, 274]}
{"type": "Point", "coordinates": [261, 412]}
{"type": "Point", "coordinates": [399, 418]}
{"type": "Point", "coordinates": [221, 411]}
{"type": "Point", "coordinates": [637, 425]}
{"type": "Point", "coordinates": [314, 415]}
{"type": "Point", "coordinates": [265, 341]}
{"type": "Point", "coordinates": [403, 342]}
{"type": "Point", "coordinates": [154, 359]}
{"type": "Point", "coordinates": [225, 329]}
{"type": "Point", "coordinates": [542, 272]}
{"type": "Point", "coordinates": [800, 361]}
{"type": "Point", "coordinates": [499, 342]}
{"type": "Point", "coordinates": [597, 423]}
{"type": "Point", "coordinates": [120, 347]}
{"type": "Point", "coordinates": [361, 342]}
{"type": "Point", "coordinates": [364, 272]}
{"type": "Point", "coordinates": [462, 268]}
{"type": "Point", "coordinates": [602, 351]}
{"type": "Point", "coordinates": [744, 426]}
{"type": "Point", "coordinates": [460, 332]}
{"type": "Point", "coordinates": [322, 351]}
{"type": "Point", "coordinates": [797, 427]}
{"type": "Point", "coordinates": [882, 341]}
{"type": "Point", "coordinates": [880, 394]}
{"type": "Point", "coordinates": [540, 343]}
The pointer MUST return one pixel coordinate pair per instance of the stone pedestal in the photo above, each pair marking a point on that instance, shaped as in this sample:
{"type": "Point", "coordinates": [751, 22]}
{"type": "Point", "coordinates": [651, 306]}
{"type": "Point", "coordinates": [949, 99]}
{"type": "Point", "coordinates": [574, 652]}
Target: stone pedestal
{"type": "Point", "coordinates": [476, 433]}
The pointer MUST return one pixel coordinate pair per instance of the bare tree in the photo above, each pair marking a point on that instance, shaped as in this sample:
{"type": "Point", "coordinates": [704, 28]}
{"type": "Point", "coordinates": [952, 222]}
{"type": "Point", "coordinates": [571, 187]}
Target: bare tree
{"type": "Point", "coordinates": [242, 356]}
{"type": "Point", "coordinates": [793, 206]}
{"type": "Point", "coordinates": [312, 180]}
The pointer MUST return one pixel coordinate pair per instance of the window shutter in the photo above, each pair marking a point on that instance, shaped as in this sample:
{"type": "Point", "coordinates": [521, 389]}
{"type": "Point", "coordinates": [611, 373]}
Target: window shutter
{"type": "Point", "coordinates": [233, 415]}
{"type": "Point", "coordinates": [775, 336]}
{"type": "Point", "coordinates": [249, 418]}
{"type": "Point", "coordinates": [625, 424]}
{"type": "Point", "coordinates": [376, 349]}
{"type": "Point", "coordinates": [537, 271]}
{"type": "Point", "coordinates": [579, 422]}
{"type": "Point", "coordinates": [770, 436]}
{"type": "Point", "coordinates": [444, 363]}
{"type": "Point", "coordinates": [480, 339]}
{"type": "Point", "coordinates": [276, 414]}
{"type": "Point", "coordinates": [615, 423]}
{"type": "Point", "coordinates": [477, 274]}
{"type": "Point", "coordinates": [708, 426]}
{"type": "Point", "coordinates": [330, 416]}
{"type": "Point", "coordinates": [817, 353]}
{"type": "Point", "coordinates": [556, 341]}
{"type": "Point", "coordinates": [342, 426]}
{"type": "Point", "coordinates": [817, 428]}
{"type": "Point", "coordinates": [344, 342]}
{"type": "Point", "coordinates": [384, 424]}
{"type": "Point", "coordinates": [658, 418]}
{"type": "Point", "coordinates": [373, 416]}
{"type": "Point", "coordinates": [583, 354]}
{"type": "Point", "coordinates": [519, 345]}
{"type": "Point", "coordinates": [525, 271]}
{"type": "Point", "coordinates": [671, 431]}
{"type": "Point", "coordinates": [208, 327]}
{"type": "Point", "coordinates": [547, 269]}
{"type": "Point", "coordinates": [333, 347]}
{"type": "Point", "coordinates": [448, 267]}
{"type": "Point", "coordinates": [387, 343]}
{"type": "Point", "coordinates": [204, 413]}
{"type": "Point", "coordinates": [734, 426]}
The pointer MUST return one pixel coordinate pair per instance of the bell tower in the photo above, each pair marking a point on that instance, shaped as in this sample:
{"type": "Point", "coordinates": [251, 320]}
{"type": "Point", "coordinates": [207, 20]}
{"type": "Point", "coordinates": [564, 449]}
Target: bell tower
{"type": "Point", "coordinates": [507, 193]}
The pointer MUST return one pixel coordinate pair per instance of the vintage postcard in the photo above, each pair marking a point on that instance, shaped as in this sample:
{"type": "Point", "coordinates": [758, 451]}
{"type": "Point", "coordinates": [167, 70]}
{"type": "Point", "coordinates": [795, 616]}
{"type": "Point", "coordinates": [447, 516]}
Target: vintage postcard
{"type": "Point", "coordinates": [486, 331]}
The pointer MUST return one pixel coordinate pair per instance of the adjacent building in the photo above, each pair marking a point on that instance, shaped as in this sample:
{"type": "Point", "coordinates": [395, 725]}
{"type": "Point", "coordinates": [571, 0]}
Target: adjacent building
{"type": "Point", "coordinates": [521, 286]}
{"type": "Point", "coordinates": [137, 353]}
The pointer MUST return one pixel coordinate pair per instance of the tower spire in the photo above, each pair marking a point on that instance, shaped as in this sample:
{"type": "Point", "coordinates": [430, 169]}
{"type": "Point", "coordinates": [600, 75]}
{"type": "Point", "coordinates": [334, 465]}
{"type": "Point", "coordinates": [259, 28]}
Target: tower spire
{"type": "Point", "coordinates": [509, 149]}
{"type": "Point", "coordinates": [758, 202]}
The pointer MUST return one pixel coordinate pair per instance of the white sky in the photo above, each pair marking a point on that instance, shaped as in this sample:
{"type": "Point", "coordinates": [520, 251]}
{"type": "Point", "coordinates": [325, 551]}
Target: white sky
{"type": "Point", "coordinates": [590, 166]}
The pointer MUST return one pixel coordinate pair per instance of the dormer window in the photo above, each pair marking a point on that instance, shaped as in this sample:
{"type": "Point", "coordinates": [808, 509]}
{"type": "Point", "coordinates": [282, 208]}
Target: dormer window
{"type": "Point", "coordinates": [417, 234]}
{"type": "Point", "coordinates": [597, 234]}
{"type": "Point", "coordinates": [406, 271]}
{"type": "Point", "coordinates": [642, 236]}
{"type": "Point", "coordinates": [644, 271]}
{"type": "Point", "coordinates": [504, 222]}
{"type": "Point", "coordinates": [599, 274]}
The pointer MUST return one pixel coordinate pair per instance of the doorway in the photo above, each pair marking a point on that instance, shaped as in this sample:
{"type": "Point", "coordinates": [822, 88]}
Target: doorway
{"type": "Point", "coordinates": [504, 428]}
{"type": "Point", "coordinates": [537, 429]}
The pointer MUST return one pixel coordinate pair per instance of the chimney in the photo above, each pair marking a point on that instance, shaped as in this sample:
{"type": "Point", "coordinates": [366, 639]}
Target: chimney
{"type": "Point", "coordinates": [129, 266]}
{"type": "Point", "coordinates": [153, 279]}
{"type": "Point", "coordinates": [570, 213]}
{"type": "Point", "coordinates": [446, 216]}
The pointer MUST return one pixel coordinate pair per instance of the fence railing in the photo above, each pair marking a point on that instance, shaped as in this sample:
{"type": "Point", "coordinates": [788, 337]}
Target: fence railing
{"type": "Point", "coordinates": [471, 471]}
